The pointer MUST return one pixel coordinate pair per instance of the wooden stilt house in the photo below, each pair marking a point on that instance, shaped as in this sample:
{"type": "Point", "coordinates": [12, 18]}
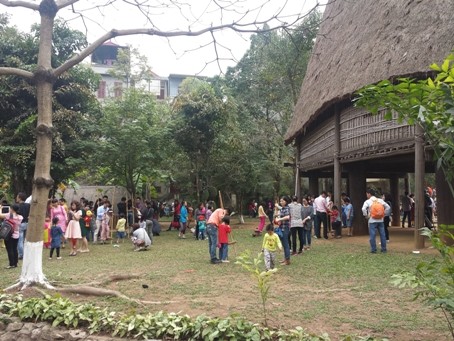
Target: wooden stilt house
{"type": "Point", "coordinates": [359, 43]}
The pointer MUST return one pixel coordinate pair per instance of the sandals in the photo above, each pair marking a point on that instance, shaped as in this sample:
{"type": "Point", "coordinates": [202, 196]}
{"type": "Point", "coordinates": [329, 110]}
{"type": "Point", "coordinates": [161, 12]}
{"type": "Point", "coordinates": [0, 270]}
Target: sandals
{"type": "Point", "coordinates": [73, 253]}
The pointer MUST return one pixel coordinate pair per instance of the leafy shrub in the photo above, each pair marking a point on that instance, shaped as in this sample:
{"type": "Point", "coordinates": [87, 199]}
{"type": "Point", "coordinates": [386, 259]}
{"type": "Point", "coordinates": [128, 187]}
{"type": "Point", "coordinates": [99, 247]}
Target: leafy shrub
{"type": "Point", "coordinates": [61, 311]}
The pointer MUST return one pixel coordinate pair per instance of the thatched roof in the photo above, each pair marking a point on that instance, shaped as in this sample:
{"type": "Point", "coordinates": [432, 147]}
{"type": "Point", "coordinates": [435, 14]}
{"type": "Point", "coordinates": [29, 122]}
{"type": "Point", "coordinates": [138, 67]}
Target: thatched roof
{"type": "Point", "coordinates": [361, 42]}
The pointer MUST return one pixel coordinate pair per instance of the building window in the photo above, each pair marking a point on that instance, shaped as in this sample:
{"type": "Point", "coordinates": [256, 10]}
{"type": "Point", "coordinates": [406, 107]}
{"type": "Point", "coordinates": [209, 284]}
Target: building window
{"type": "Point", "coordinates": [102, 89]}
{"type": "Point", "coordinates": [118, 89]}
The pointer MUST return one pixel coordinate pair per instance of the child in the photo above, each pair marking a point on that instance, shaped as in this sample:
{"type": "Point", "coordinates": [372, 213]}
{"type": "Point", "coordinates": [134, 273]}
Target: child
{"type": "Point", "coordinates": [336, 223]}
{"type": "Point", "coordinates": [105, 226]}
{"type": "Point", "coordinates": [140, 238]}
{"type": "Point", "coordinates": [121, 228]}
{"type": "Point", "coordinates": [201, 227]}
{"type": "Point", "coordinates": [348, 212]}
{"type": "Point", "coordinates": [46, 234]}
{"type": "Point", "coordinates": [56, 234]}
{"type": "Point", "coordinates": [271, 242]}
{"type": "Point", "coordinates": [223, 239]}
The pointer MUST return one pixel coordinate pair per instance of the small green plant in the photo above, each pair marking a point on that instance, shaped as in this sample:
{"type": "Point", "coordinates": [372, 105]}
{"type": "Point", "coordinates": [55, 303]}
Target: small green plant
{"type": "Point", "coordinates": [263, 278]}
{"type": "Point", "coordinates": [434, 281]}
{"type": "Point", "coordinates": [61, 311]}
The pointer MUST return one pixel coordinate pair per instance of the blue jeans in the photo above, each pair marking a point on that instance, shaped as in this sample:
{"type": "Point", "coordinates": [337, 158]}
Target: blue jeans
{"type": "Point", "coordinates": [212, 233]}
{"type": "Point", "coordinates": [284, 241]}
{"type": "Point", "coordinates": [20, 245]}
{"type": "Point", "coordinates": [372, 233]}
{"type": "Point", "coordinates": [307, 238]}
{"type": "Point", "coordinates": [224, 251]}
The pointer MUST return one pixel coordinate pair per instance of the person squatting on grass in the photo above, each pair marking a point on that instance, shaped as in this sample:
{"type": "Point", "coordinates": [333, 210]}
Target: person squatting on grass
{"type": "Point", "coordinates": [271, 243]}
{"type": "Point", "coordinates": [140, 238]}
{"type": "Point", "coordinates": [223, 239]}
{"type": "Point", "coordinates": [213, 222]}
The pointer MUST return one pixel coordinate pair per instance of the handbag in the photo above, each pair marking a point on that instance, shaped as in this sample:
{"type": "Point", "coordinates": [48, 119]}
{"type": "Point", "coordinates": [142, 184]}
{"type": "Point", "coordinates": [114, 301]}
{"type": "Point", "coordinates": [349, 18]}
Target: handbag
{"type": "Point", "coordinates": [6, 228]}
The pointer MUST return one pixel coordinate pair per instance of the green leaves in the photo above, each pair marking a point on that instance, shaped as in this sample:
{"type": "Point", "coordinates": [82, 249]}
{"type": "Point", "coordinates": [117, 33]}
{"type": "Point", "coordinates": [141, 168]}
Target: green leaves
{"type": "Point", "coordinates": [161, 325]}
{"type": "Point", "coordinates": [429, 103]}
{"type": "Point", "coordinates": [433, 282]}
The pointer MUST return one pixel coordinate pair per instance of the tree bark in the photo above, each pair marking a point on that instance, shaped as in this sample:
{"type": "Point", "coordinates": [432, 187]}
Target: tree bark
{"type": "Point", "coordinates": [42, 181]}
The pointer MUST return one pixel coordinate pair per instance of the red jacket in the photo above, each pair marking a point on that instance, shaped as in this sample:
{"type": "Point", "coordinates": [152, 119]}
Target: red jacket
{"type": "Point", "coordinates": [223, 233]}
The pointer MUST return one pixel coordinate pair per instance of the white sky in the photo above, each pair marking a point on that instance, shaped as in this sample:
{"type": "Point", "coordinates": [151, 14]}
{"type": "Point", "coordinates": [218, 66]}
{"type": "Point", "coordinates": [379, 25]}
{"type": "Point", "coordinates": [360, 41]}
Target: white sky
{"type": "Point", "coordinates": [180, 55]}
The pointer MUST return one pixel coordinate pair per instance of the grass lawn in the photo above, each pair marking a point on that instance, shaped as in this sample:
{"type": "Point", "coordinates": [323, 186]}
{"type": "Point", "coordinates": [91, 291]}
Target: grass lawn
{"type": "Point", "coordinates": [337, 287]}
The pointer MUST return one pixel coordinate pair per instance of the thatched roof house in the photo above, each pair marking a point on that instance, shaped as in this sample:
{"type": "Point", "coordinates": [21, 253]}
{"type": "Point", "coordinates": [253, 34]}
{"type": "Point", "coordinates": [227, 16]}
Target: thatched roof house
{"type": "Point", "coordinates": [361, 42]}
{"type": "Point", "coordinates": [364, 41]}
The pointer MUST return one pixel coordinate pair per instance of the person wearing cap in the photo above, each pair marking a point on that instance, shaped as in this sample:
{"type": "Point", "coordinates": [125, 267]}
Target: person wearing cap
{"type": "Point", "coordinates": [375, 223]}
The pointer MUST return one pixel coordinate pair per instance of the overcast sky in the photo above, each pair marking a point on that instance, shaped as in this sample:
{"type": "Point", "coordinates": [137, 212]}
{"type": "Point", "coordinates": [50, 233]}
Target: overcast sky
{"type": "Point", "coordinates": [181, 55]}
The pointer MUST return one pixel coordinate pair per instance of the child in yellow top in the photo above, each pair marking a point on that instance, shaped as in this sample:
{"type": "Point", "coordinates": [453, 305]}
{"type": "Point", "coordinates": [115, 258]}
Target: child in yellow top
{"type": "Point", "coordinates": [271, 242]}
{"type": "Point", "coordinates": [121, 228]}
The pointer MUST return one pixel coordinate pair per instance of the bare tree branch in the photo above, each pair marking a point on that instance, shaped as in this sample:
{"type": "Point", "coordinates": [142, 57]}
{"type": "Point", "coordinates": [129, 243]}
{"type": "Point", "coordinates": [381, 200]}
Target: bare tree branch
{"type": "Point", "coordinates": [5, 71]}
{"type": "Point", "coordinates": [235, 26]}
{"type": "Point", "coordinates": [19, 3]}
{"type": "Point", "coordinates": [64, 3]}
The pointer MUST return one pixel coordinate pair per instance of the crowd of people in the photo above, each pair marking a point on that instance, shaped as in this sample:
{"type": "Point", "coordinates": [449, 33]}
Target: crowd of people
{"type": "Point", "coordinates": [293, 223]}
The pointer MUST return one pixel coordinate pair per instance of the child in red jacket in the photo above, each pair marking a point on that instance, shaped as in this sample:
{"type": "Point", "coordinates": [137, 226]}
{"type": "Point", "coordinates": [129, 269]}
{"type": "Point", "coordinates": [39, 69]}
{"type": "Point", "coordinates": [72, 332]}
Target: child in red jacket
{"type": "Point", "coordinates": [223, 239]}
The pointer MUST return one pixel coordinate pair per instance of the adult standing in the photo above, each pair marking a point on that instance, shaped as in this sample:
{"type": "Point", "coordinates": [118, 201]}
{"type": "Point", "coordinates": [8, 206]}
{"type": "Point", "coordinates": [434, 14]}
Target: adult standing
{"type": "Point", "coordinates": [406, 208]}
{"type": "Point", "coordinates": [147, 215]}
{"type": "Point", "coordinates": [11, 243]}
{"type": "Point", "coordinates": [100, 212]}
{"type": "Point", "coordinates": [24, 211]}
{"type": "Point", "coordinates": [284, 220]}
{"type": "Point", "coordinates": [59, 211]}
{"type": "Point", "coordinates": [183, 219]}
{"type": "Point", "coordinates": [262, 218]}
{"type": "Point", "coordinates": [374, 210]}
{"type": "Point", "coordinates": [121, 206]}
{"type": "Point", "coordinates": [387, 219]}
{"type": "Point", "coordinates": [296, 224]}
{"type": "Point", "coordinates": [213, 222]}
{"type": "Point", "coordinates": [175, 223]}
{"type": "Point", "coordinates": [321, 213]}
{"type": "Point", "coordinates": [307, 213]}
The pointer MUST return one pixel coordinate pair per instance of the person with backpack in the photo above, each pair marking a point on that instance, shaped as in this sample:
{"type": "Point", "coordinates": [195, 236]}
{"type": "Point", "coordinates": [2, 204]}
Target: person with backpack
{"type": "Point", "coordinates": [11, 241]}
{"type": "Point", "coordinates": [374, 210]}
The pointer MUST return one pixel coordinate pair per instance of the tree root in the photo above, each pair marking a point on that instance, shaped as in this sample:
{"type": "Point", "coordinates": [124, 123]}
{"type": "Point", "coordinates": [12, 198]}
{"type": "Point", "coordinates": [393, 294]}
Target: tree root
{"type": "Point", "coordinates": [90, 289]}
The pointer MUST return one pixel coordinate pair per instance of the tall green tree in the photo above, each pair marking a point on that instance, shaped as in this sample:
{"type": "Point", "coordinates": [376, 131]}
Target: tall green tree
{"type": "Point", "coordinates": [266, 84]}
{"type": "Point", "coordinates": [75, 107]}
{"type": "Point", "coordinates": [200, 116]}
{"type": "Point", "coordinates": [131, 136]}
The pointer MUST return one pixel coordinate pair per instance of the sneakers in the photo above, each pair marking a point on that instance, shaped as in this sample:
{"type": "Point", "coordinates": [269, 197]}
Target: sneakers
{"type": "Point", "coordinates": [225, 261]}
{"type": "Point", "coordinates": [215, 261]}
{"type": "Point", "coordinates": [58, 257]}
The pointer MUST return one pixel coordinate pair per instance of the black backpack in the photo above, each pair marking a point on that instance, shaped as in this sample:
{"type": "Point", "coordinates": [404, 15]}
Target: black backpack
{"type": "Point", "coordinates": [6, 228]}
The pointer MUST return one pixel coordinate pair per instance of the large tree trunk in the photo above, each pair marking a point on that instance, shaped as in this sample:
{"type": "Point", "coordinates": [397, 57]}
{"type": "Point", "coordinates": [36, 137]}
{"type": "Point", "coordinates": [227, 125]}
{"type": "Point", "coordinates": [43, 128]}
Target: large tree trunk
{"type": "Point", "coordinates": [42, 182]}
